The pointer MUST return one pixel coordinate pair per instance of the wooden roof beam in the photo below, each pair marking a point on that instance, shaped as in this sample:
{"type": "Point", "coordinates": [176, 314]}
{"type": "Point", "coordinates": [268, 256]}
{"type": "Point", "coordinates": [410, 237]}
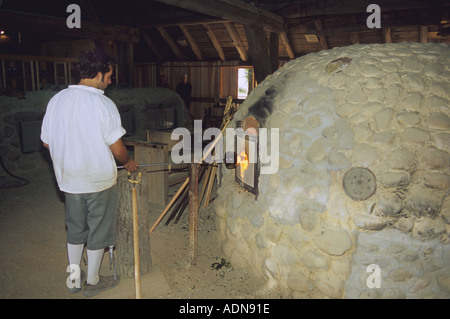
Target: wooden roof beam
{"type": "Point", "coordinates": [237, 42]}
{"type": "Point", "coordinates": [191, 42]}
{"type": "Point", "coordinates": [170, 42]}
{"type": "Point", "coordinates": [151, 45]}
{"type": "Point", "coordinates": [214, 41]}
{"type": "Point", "coordinates": [287, 44]}
{"type": "Point", "coordinates": [176, 21]}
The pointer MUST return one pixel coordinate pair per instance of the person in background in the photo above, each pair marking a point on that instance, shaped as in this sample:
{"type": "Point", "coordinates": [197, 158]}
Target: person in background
{"type": "Point", "coordinates": [82, 130]}
{"type": "Point", "coordinates": [184, 90]}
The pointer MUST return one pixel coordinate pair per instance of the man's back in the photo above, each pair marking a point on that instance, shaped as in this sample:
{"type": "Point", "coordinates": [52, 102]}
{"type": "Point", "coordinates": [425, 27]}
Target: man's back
{"type": "Point", "coordinates": [80, 124]}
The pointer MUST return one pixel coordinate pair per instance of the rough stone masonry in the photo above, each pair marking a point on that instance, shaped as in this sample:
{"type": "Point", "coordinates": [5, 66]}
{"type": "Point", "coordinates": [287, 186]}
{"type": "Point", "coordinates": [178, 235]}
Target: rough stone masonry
{"type": "Point", "coordinates": [381, 107]}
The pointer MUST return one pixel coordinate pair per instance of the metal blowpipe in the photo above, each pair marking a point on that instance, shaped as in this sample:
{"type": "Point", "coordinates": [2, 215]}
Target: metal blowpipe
{"type": "Point", "coordinates": [146, 165]}
{"type": "Point", "coordinates": [232, 161]}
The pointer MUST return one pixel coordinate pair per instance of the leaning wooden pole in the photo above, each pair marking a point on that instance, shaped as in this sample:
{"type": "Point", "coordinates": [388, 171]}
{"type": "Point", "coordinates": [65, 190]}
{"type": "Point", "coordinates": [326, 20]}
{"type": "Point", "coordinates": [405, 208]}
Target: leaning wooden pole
{"type": "Point", "coordinates": [180, 190]}
{"type": "Point", "coordinates": [230, 109]}
{"type": "Point", "coordinates": [210, 186]}
{"type": "Point", "coordinates": [193, 213]}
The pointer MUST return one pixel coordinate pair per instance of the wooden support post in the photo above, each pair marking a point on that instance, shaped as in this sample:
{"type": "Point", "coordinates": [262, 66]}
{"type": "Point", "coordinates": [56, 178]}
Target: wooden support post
{"type": "Point", "coordinates": [387, 35]}
{"type": "Point", "coordinates": [257, 43]}
{"type": "Point", "coordinates": [193, 213]}
{"type": "Point", "coordinates": [274, 58]}
{"type": "Point", "coordinates": [423, 37]}
{"type": "Point", "coordinates": [125, 59]}
{"type": "Point", "coordinates": [38, 81]}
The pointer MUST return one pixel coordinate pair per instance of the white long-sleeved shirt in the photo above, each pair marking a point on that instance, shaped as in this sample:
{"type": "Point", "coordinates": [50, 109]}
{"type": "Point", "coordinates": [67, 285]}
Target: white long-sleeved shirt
{"type": "Point", "coordinates": [79, 126]}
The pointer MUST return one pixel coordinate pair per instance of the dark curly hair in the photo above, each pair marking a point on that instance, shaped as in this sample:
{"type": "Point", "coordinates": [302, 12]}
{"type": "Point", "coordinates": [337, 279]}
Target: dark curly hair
{"type": "Point", "coordinates": [90, 63]}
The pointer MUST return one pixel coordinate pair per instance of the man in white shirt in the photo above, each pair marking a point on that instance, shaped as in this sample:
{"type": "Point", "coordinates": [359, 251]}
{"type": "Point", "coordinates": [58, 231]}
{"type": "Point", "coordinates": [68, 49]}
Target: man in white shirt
{"type": "Point", "coordinates": [82, 130]}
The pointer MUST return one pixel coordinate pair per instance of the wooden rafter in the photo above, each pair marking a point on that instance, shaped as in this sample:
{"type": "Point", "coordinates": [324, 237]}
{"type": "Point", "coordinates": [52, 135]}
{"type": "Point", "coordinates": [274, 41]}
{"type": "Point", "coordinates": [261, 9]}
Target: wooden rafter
{"type": "Point", "coordinates": [287, 44]}
{"type": "Point", "coordinates": [214, 41]}
{"type": "Point", "coordinates": [191, 43]}
{"type": "Point", "coordinates": [170, 42]}
{"type": "Point", "coordinates": [151, 45]}
{"type": "Point", "coordinates": [237, 42]}
{"type": "Point", "coordinates": [176, 21]}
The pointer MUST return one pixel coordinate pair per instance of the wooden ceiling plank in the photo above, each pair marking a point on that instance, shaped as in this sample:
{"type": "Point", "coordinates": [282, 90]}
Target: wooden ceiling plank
{"type": "Point", "coordinates": [57, 26]}
{"type": "Point", "coordinates": [191, 42]}
{"type": "Point", "coordinates": [214, 41]}
{"type": "Point", "coordinates": [334, 8]}
{"type": "Point", "coordinates": [170, 42]}
{"type": "Point", "coordinates": [235, 11]}
{"type": "Point", "coordinates": [237, 42]}
{"type": "Point", "coordinates": [176, 21]}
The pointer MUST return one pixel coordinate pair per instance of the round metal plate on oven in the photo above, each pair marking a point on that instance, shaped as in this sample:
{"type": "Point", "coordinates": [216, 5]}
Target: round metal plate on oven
{"type": "Point", "coordinates": [359, 183]}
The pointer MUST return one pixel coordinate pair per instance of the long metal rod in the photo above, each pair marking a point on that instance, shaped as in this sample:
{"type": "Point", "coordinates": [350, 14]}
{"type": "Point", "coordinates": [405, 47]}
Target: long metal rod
{"type": "Point", "coordinates": [154, 164]}
{"type": "Point", "coordinates": [161, 164]}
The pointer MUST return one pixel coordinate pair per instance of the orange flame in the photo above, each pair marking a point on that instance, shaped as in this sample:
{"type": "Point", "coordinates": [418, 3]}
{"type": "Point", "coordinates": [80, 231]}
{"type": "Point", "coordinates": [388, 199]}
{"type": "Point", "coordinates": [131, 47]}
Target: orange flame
{"type": "Point", "coordinates": [242, 160]}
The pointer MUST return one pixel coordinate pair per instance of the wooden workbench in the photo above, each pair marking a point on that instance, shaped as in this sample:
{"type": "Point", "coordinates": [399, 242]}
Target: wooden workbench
{"type": "Point", "coordinates": [157, 176]}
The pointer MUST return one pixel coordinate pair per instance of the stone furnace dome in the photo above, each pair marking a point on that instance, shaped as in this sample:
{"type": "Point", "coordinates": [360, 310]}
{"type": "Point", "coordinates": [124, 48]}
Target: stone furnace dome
{"type": "Point", "coordinates": [363, 175]}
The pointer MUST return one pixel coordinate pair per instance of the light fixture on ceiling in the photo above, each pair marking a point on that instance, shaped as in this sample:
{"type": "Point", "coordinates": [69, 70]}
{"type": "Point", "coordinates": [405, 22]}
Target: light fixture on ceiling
{"type": "Point", "coordinates": [4, 38]}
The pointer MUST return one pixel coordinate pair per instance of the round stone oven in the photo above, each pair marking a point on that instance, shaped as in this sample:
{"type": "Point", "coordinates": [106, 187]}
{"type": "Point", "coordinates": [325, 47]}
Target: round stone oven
{"type": "Point", "coordinates": [359, 206]}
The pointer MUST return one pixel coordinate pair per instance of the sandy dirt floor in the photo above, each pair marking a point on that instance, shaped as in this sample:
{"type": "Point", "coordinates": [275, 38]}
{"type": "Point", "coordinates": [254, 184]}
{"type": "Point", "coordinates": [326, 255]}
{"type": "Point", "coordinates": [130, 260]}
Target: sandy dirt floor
{"type": "Point", "coordinates": [34, 259]}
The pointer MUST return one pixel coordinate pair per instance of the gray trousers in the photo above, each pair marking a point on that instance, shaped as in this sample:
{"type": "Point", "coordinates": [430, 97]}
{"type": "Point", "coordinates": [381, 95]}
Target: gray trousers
{"type": "Point", "coordinates": [91, 218]}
